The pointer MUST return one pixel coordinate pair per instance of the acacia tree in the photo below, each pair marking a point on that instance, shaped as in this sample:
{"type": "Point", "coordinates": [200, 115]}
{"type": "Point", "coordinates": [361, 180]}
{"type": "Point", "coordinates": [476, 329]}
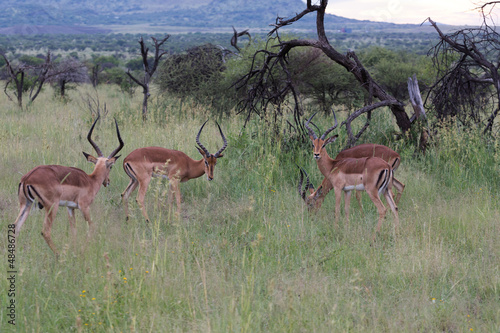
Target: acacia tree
{"type": "Point", "coordinates": [269, 81]}
{"type": "Point", "coordinates": [469, 61]}
{"type": "Point", "coordinates": [149, 70]}
{"type": "Point", "coordinates": [69, 71]}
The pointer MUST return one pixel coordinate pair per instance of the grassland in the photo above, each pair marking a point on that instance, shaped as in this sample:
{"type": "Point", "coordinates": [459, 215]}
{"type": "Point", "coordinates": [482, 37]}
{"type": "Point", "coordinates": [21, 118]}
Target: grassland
{"type": "Point", "coordinates": [245, 255]}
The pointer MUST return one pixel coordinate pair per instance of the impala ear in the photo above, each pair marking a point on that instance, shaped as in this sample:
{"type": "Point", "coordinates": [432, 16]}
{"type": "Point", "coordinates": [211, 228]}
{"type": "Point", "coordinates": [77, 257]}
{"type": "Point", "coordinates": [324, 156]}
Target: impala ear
{"type": "Point", "coordinates": [90, 158]}
{"type": "Point", "coordinates": [112, 161]}
{"type": "Point", "coordinates": [330, 139]}
{"type": "Point", "coordinates": [318, 192]}
{"type": "Point", "coordinates": [220, 155]}
{"type": "Point", "coordinates": [202, 152]}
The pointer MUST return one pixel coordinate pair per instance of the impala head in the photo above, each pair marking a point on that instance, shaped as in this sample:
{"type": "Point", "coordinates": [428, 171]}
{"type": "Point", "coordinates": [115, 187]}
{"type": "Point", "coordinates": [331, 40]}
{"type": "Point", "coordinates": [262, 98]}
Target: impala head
{"type": "Point", "coordinates": [103, 163]}
{"type": "Point", "coordinates": [210, 160]}
{"type": "Point", "coordinates": [320, 143]}
{"type": "Point", "coordinates": [310, 199]}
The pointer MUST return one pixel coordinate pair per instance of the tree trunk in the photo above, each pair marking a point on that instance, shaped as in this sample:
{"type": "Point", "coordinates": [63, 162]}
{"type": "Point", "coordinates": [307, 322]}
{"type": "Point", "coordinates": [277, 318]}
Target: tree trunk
{"type": "Point", "coordinates": [145, 101]}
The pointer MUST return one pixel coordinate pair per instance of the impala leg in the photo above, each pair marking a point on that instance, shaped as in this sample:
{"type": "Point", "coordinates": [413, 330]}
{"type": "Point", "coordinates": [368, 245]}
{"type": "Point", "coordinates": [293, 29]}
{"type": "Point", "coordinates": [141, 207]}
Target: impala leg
{"type": "Point", "coordinates": [132, 185]}
{"type": "Point", "coordinates": [143, 187]}
{"type": "Point", "coordinates": [50, 214]}
{"type": "Point", "coordinates": [394, 209]}
{"type": "Point", "coordinates": [24, 211]}
{"type": "Point", "coordinates": [400, 187]}
{"type": "Point", "coordinates": [358, 197]}
{"type": "Point", "coordinates": [174, 189]}
{"type": "Point", "coordinates": [338, 197]}
{"type": "Point", "coordinates": [90, 233]}
{"type": "Point", "coordinates": [381, 210]}
{"type": "Point", "coordinates": [72, 224]}
{"type": "Point", "coordinates": [347, 203]}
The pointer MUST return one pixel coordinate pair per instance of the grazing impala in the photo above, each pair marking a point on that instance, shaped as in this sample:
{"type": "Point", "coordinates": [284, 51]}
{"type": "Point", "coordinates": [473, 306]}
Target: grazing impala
{"type": "Point", "coordinates": [143, 163]}
{"type": "Point", "coordinates": [55, 185]}
{"type": "Point", "coordinates": [363, 150]}
{"type": "Point", "coordinates": [316, 197]}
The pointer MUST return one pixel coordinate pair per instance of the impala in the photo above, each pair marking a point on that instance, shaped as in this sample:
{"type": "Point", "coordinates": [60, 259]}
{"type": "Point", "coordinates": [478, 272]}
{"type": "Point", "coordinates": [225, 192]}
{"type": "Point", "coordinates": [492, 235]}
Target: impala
{"type": "Point", "coordinates": [316, 197]}
{"type": "Point", "coordinates": [362, 150]}
{"type": "Point", "coordinates": [371, 174]}
{"type": "Point", "coordinates": [143, 163]}
{"type": "Point", "coordinates": [55, 185]}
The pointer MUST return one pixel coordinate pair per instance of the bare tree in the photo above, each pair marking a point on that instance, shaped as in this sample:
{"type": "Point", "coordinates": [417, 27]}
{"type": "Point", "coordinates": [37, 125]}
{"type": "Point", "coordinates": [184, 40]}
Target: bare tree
{"type": "Point", "coordinates": [17, 75]}
{"type": "Point", "coordinates": [149, 69]}
{"type": "Point", "coordinates": [236, 35]}
{"type": "Point", "coordinates": [468, 61]}
{"type": "Point", "coordinates": [269, 81]}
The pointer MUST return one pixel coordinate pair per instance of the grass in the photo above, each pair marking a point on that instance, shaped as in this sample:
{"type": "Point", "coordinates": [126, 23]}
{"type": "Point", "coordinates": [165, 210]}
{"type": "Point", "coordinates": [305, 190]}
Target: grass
{"type": "Point", "coordinates": [246, 255]}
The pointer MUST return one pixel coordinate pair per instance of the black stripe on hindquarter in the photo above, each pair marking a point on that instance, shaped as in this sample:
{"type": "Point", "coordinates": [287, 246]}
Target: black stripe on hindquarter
{"type": "Point", "coordinates": [130, 172]}
{"type": "Point", "coordinates": [41, 203]}
{"type": "Point", "coordinates": [395, 162]}
{"type": "Point", "coordinates": [383, 180]}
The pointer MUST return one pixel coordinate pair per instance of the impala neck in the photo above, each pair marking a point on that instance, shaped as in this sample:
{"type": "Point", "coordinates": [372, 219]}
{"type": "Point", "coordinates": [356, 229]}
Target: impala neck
{"type": "Point", "coordinates": [99, 175]}
{"type": "Point", "coordinates": [196, 169]}
{"type": "Point", "coordinates": [325, 163]}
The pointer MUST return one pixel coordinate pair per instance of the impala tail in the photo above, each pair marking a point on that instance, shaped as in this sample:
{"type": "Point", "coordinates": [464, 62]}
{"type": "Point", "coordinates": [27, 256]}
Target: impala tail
{"type": "Point", "coordinates": [27, 196]}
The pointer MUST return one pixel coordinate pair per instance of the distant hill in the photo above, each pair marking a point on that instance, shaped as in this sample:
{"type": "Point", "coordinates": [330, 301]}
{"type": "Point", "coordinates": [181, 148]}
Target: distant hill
{"type": "Point", "coordinates": [208, 14]}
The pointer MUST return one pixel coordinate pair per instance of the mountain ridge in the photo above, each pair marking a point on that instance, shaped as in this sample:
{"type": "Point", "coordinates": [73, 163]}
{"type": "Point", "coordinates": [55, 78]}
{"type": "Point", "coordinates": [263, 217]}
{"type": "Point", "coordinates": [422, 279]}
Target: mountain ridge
{"type": "Point", "coordinates": [203, 14]}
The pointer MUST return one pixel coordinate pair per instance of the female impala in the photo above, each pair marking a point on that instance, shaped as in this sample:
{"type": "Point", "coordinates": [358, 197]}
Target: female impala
{"type": "Point", "coordinates": [55, 185]}
{"type": "Point", "coordinates": [362, 150]}
{"type": "Point", "coordinates": [143, 163]}
{"type": "Point", "coordinates": [316, 197]}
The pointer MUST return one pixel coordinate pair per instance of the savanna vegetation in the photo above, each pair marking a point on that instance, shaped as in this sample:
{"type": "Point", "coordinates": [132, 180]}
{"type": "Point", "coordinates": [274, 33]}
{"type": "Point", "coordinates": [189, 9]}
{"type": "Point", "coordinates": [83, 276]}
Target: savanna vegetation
{"type": "Point", "coordinates": [244, 253]}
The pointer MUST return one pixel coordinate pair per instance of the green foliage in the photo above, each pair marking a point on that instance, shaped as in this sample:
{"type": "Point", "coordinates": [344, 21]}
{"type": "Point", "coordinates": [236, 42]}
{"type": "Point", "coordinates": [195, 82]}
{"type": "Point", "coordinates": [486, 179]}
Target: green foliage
{"type": "Point", "coordinates": [31, 61]}
{"type": "Point", "coordinates": [393, 68]}
{"type": "Point", "coordinates": [105, 61]}
{"type": "Point", "coordinates": [196, 74]}
{"type": "Point", "coordinates": [323, 81]}
{"type": "Point", "coordinates": [135, 64]}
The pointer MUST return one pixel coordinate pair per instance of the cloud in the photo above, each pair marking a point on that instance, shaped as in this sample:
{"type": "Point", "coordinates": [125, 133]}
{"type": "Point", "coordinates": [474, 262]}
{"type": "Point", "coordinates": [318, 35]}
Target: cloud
{"type": "Point", "coordinates": [456, 12]}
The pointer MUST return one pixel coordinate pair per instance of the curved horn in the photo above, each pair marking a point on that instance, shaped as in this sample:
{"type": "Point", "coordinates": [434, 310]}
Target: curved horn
{"type": "Point", "coordinates": [317, 128]}
{"type": "Point", "coordinates": [301, 180]}
{"type": "Point", "coordinates": [223, 139]}
{"type": "Point", "coordinates": [331, 128]}
{"type": "Point", "coordinates": [119, 140]}
{"type": "Point", "coordinates": [308, 183]}
{"type": "Point", "coordinates": [309, 129]}
{"type": "Point", "coordinates": [198, 140]}
{"type": "Point", "coordinates": [89, 137]}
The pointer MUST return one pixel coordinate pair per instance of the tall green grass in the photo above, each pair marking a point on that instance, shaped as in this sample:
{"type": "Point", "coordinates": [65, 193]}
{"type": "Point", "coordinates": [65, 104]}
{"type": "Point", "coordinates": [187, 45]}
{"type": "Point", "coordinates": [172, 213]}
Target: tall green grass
{"type": "Point", "coordinates": [245, 254]}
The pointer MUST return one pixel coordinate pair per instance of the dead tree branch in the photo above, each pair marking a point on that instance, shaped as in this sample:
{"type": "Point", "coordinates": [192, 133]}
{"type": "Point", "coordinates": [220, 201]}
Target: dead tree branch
{"type": "Point", "coordinates": [149, 69]}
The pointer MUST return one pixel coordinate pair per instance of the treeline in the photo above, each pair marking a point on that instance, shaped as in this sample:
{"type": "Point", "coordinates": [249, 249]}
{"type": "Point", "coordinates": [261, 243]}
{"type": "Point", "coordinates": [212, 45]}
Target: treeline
{"type": "Point", "coordinates": [126, 44]}
{"type": "Point", "coordinates": [207, 72]}
{"type": "Point", "coordinates": [206, 68]}
{"type": "Point", "coordinates": [123, 45]}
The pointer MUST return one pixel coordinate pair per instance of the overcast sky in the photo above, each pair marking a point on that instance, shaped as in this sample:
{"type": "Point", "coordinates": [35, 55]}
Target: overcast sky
{"type": "Point", "coordinates": [455, 12]}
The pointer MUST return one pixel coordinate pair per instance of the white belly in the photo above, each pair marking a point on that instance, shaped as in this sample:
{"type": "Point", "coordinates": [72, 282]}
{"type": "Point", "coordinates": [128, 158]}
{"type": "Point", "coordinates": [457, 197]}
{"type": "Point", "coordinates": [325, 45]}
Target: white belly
{"type": "Point", "coordinates": [358, 187]}
{"type": "Point", "coordinates": [69, 204]}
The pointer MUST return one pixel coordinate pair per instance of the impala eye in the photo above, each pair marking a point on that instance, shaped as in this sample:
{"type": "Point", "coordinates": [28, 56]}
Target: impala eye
{"type": "Point", "coordinates": [206, 163]}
